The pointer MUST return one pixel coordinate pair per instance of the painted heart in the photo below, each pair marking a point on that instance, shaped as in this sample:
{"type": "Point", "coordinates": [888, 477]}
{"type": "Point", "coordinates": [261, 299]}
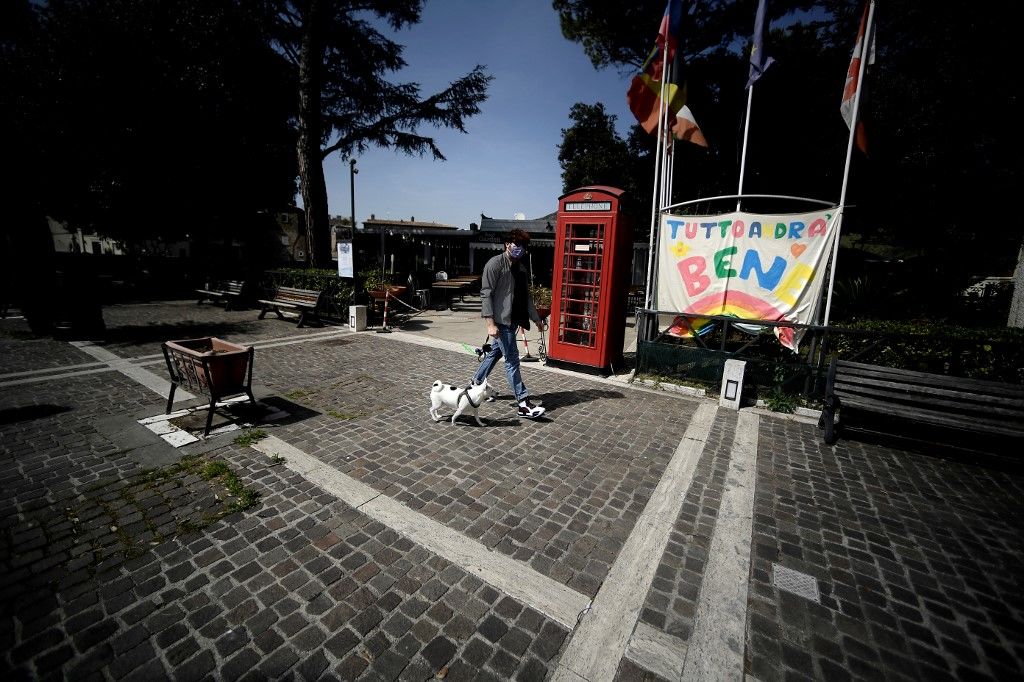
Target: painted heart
{"type": "Point", "coordinates": [797, 249]}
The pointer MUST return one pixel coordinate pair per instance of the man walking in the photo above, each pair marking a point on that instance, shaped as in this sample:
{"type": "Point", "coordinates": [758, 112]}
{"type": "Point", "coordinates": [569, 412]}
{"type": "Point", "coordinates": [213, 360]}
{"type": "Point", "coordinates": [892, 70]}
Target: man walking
{"type": "Point", "coordinates": [505, 306]}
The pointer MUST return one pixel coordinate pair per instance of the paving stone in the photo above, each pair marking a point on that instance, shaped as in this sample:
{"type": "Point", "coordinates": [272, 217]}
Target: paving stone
{"type": "Point", "coordinates": [914, 556]}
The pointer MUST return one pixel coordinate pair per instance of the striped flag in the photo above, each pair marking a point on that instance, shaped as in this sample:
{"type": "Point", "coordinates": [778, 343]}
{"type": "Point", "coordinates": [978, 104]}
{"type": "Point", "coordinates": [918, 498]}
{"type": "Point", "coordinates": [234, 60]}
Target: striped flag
{"type": "Point", "coordinates": [645, 93]}
{"type": "Point", "coordinates": [686, 128]}
{"type": "Point", "coordinates": [853, 79]}
{"type": "Point", "coordinates": [759, 59]}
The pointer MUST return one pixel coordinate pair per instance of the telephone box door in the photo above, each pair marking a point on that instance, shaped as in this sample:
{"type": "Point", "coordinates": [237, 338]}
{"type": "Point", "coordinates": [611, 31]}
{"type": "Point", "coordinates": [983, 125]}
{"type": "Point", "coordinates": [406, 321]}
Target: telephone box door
{"type": "Point", "coordinates": [593, 252]}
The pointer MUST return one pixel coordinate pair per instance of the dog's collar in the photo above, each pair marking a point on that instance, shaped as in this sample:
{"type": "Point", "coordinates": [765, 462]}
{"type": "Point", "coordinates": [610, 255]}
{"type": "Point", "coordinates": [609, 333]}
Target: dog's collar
{"type": "Point", "coordinates": [465, 392]}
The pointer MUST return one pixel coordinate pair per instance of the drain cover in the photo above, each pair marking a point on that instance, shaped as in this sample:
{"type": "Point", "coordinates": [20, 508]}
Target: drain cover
{"type": "Point", "coordinates": [798, 583]}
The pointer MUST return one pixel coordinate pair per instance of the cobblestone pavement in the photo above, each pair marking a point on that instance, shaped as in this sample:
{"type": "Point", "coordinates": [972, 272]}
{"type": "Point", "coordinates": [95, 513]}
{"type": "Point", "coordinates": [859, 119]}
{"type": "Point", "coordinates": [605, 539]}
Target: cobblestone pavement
{"type": "Point", "coordinates": [123, 558]}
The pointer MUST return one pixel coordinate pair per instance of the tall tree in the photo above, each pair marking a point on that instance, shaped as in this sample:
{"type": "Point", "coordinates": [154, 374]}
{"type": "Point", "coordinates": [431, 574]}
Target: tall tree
{"type": "Point", "coordinates": [591, 152]}
{"type": "Point", "coordinates": [345, 104]}
{"type": "Point", "coordinates": [151, 123]}
{"type": "Point", "coordinates": [941, 118]}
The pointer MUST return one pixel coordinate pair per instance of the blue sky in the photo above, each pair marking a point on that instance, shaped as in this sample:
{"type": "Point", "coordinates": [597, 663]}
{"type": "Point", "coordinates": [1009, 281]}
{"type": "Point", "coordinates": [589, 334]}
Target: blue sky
{"type": "Point", "coordinates": [507, 162]}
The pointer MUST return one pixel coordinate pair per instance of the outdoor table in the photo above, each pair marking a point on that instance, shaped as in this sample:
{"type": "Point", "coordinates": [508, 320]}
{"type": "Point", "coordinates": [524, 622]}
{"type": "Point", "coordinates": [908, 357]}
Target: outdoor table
{"type": "Point", "coordinates": [449, 286]}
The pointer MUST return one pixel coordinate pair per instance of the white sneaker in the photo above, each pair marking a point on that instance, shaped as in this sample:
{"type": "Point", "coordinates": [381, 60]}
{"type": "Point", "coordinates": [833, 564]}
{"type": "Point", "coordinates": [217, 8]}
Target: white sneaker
{"type": "Point", "coordinates": [528, 410]}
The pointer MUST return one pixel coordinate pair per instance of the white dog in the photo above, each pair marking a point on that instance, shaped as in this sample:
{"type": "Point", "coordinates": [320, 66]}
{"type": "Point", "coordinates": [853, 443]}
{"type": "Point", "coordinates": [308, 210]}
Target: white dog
{"type": "Point", "coordinates": [460, 399]}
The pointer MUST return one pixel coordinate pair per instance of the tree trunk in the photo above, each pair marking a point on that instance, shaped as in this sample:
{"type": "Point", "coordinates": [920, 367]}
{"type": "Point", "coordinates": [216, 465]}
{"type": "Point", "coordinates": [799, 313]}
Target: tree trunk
{"type": "Point", "coordinates": [311, 170]}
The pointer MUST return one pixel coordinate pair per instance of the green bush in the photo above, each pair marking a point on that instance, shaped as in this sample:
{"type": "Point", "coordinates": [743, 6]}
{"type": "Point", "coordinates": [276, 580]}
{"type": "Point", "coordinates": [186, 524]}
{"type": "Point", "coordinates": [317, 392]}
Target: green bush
{"type": "Point", "coordinates": [996, 354]}
{"type": "Point", "coordinates": [374, 279]}
{"type": "Point", "coordinates": [338, 290]}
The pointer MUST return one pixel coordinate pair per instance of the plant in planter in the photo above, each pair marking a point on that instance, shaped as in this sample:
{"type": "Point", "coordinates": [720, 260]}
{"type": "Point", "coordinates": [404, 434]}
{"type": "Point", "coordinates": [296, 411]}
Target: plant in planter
{"type": "Point", "coordinates": [377, 280]}
{"type": "Point", "coordinates": [541, 299]}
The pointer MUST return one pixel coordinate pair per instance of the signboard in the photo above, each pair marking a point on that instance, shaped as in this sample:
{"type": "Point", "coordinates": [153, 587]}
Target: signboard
{"type": "Point", "coordinates": [345, 259]}
{"type": "Point", "coordinates": [572, 206]}
{"type": "Point", "coordinates": [759, 267]}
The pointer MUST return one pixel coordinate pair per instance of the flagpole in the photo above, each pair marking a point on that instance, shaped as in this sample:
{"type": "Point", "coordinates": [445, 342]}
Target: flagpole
{"type": "Point", "coordinates": [743, 155]}
{"type": "Point", "coordinates": [855, 117]}
{"type": "Point", "coordinates": [656, 202]}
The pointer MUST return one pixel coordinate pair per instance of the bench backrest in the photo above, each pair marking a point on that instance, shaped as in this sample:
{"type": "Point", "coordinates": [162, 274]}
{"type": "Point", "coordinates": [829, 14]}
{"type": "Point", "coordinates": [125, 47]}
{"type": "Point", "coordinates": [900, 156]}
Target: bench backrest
{"type": "Point", "coordinates": [233, 286]}
{"type": "Point", "coordinates": [933, 398]}
{"type": "Point", "coordinates": [301, 296]}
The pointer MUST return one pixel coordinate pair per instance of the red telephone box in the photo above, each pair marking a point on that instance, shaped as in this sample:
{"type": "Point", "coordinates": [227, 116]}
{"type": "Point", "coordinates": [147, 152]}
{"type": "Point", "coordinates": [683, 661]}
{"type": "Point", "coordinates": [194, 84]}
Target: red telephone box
{"type": "Point", "coordinates": [593, 261]}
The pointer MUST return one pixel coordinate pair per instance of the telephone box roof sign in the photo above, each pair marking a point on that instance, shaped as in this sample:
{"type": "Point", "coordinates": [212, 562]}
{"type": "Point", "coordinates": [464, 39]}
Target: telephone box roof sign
{"type": "Point", "coordinates": [592, 199]}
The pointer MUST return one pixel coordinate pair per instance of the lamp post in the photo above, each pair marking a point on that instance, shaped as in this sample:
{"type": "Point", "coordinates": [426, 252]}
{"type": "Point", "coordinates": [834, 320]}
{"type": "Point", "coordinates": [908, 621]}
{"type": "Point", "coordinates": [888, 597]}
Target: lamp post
{"type": "Point", "coordinates": [352, 187]}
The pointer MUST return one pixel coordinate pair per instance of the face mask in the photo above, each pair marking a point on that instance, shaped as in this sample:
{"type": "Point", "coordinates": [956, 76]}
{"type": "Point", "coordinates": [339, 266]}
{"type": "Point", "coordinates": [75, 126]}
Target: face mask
{"type": "Point", "coordinates": [517, 251]}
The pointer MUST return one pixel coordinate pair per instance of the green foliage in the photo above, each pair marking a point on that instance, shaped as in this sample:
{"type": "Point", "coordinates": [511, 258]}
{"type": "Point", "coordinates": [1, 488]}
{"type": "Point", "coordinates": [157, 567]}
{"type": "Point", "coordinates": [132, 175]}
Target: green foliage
{"type": "Point", "coordinates": [334, 287]}
{"type": "Point", "coordinates": [213, 470]}
{"type": "Point", "coordinates": [591, 152]}
{"type": "Point", "coordinates": [250, 436]}
{"type": "Point", "coordinates": [996, 354]}
{"type": "Point", "coordinates": [341, 62]}
{"type": "Point", "coordinates": [143, 119]}
{"type": "Point", "coordinates": [778, 400]}
{"type": "Point", "coordinates": [374, 279]}
{"type": "Point", "coordinates": [541, 295]}
{"type": "Point", "coordinates": [902, 189]}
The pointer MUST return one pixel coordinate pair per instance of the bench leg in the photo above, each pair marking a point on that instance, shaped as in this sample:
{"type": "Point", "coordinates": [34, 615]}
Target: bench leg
{"type": "Point", "coordinates": [828, 419]}
{"type": "Point", "coordinates": [170, 398]}
{"type": "Point", "coordinates": [302, 318]}
{"type": "Point", "coordinates": [263, 313]}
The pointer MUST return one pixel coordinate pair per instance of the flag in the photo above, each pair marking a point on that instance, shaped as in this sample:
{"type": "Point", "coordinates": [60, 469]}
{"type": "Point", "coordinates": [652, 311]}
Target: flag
{"type": "Point", "coordinates": [645, 92]}
{"type": "Point", "coordinates": [759, 59]}
{"type": "Point", "coordinates": [686, 128]}
{"type": "Point", "coordinates": [853, 78]}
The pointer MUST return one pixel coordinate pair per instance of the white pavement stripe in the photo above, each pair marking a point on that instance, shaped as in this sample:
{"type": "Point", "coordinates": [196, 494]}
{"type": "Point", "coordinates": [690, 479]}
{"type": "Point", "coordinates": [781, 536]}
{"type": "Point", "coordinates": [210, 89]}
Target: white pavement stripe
{"type": "Point", "coordinates": [716, 646]}
{"type": "Point", "coordinates": [151, 381]}
{"type": "Point", "coordinates": [661, 653]}
{"type": "Point", "coordinates": [112, 362]}
{"type": "Point", "coordinates": [65, 369]}
{"type": "Point", "coordinates": [598, 644]}
{"type": "Point", "coordinates": [514, 578]}
{"type": "Point", "coordinates": [50, 377]}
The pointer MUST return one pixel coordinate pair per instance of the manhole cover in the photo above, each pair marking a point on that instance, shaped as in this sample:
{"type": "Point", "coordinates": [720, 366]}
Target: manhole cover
{"type": "Point", "coordinates": [795, 582]}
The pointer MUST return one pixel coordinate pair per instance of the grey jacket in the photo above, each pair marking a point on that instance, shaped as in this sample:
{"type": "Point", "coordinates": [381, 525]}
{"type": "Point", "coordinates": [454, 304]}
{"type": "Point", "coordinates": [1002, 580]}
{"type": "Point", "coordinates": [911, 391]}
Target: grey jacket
{"type": "Point", "coordinates": [496, 286]}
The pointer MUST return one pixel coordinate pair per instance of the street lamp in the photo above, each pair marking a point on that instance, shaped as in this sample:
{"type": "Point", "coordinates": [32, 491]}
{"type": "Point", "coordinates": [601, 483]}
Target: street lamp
{"type": "Point", "coordinates": [352, 187]}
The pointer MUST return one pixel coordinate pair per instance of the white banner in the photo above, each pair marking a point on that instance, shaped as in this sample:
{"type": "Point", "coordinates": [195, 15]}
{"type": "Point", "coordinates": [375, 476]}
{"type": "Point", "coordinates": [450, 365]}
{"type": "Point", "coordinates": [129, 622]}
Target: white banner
{"type": "Point", "coordinates": [345, 259]}
{"type": "Point", "coordinates": [759, 267]}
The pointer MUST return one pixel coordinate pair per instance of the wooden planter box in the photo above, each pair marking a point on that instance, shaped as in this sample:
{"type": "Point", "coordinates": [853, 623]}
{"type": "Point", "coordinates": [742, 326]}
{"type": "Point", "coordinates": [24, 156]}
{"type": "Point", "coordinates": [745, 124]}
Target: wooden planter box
{"type": "Point", "coordinates": [210, 367]}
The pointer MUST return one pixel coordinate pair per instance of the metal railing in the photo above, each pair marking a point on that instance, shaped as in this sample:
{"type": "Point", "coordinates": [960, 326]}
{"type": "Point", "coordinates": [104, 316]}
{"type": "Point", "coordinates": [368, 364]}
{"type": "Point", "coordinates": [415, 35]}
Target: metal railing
{"type": "Point", "coordinates": [700, 357]}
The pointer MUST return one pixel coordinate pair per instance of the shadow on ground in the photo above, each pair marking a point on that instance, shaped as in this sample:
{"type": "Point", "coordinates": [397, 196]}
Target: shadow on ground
{"type": "Point", "coordinates": [136, 335]}
{"type": "Point", "coordinates": [558, 399]}
{"type": "Point", "coordinates": [26, 413]}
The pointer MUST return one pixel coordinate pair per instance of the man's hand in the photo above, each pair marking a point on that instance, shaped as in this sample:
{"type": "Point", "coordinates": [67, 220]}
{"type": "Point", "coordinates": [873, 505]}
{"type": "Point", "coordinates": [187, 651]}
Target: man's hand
{"type": "Point", "coordinates": [492, 329]}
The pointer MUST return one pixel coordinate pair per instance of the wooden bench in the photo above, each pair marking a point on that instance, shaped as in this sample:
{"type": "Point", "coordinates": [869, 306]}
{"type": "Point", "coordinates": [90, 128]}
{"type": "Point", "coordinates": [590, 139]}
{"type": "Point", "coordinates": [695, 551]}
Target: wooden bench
{"type": "Point", "coordinates": [991, 408]}
{"type": "Point", "coordinates": [306, 302]}
{"type": "Point", "coordinates": [226, 292]}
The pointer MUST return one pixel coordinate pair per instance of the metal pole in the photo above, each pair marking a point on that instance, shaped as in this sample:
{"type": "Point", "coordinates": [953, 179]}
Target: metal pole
{"type": "Point", "coordinates": [864, 56]}
{"type": "Point", "coordinates": [352, 190]}
{"type": "Point", "coordinates": [656, 199]}
{"type": "Point", "coordinates": [743, 156]}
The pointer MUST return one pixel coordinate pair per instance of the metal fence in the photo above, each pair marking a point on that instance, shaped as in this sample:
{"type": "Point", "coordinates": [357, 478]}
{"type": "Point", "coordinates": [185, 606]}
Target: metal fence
{"type": "Point", "coordinates": [700, 358]}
